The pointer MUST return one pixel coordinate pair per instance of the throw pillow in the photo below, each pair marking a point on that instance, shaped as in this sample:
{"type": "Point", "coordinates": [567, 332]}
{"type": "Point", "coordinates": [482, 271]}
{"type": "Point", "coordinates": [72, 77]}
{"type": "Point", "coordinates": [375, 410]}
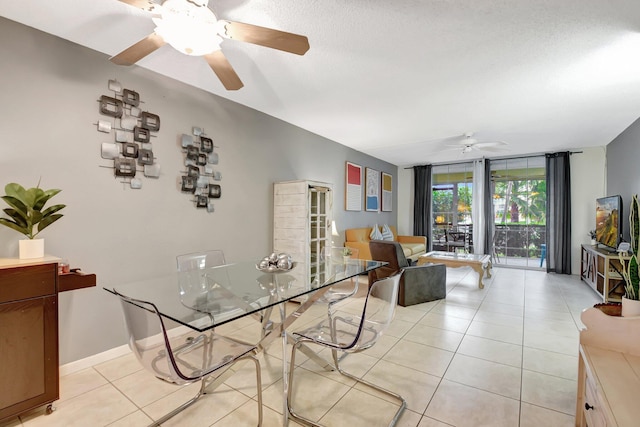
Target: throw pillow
{"type": "Point", "coordinates": [387, 234]}
{"type": "Point", "coordinates": [375, 233]}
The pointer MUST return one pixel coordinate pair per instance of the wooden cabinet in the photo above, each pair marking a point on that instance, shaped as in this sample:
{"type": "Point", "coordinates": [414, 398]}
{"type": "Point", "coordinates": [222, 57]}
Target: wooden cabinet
{"type": "Point", "coordinates": [302, 225]}
{"type": "Point", "coordinates": [608, 371]}
{"type": "Point", "coordinates": [28, 337]}
{"type": "Point", "coordinates": [29, 331]}
{"type": "Point", "coordinates": [601, 269]}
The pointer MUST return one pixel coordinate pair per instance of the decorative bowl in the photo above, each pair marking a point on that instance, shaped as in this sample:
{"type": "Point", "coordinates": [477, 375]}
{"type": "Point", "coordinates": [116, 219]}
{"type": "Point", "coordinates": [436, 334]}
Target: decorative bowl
{"type": "Point", "coordinates": [275, 269]}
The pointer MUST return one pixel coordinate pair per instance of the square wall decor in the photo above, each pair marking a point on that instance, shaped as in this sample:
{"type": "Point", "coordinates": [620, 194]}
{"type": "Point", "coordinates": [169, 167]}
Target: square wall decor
{"type": "Point", "coordinates": [128, 135]}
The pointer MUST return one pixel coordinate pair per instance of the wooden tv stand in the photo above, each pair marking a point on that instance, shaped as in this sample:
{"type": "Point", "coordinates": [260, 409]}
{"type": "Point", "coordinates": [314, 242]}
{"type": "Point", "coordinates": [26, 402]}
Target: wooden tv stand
{"type": "Point", "coordinates": [601, 269]}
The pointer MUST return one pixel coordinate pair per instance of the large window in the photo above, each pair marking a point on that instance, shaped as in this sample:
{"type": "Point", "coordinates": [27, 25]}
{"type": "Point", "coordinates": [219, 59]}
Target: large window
{"type": "Point", "coordinates": [519, 192]}
{"type": "Point", "coordinates": [520, 203]}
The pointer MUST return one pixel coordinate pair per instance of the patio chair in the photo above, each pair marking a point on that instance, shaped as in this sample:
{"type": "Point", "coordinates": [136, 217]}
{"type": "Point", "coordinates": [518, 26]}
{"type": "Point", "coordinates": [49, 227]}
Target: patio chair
{"type": "Point", "coordinates": [351, 333]}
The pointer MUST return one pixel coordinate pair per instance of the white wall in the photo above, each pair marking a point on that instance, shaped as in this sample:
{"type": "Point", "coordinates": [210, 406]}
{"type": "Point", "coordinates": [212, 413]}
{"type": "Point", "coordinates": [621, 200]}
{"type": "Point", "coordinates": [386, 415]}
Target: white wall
{"type": "Point", "coordinates": [49, 108]}
{"type": "Point", "coordinates": [588, 182]}
{"type": "Point", "coordinates": [405, 201]}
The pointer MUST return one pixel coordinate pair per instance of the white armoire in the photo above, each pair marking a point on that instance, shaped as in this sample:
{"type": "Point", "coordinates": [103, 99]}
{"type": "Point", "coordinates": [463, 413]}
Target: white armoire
{"type": "Point", "coordinates": [302, 225]}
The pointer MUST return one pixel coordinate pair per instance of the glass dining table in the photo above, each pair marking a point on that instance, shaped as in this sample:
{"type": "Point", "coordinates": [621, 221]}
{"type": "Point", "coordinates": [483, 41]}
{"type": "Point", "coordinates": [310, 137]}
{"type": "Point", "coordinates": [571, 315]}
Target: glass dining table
{"type": "Point", "coordinates": [207, 298]}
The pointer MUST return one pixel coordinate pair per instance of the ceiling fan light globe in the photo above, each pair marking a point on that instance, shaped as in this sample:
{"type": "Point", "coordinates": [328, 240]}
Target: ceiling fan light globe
{"type": "Point", "coordinates": [188, 28]}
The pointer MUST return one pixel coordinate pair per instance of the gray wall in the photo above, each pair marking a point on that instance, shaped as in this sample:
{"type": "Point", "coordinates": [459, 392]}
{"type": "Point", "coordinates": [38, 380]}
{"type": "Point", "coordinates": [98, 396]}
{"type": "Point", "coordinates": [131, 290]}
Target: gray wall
{"type": "Point", "coordinates": [623, 173]}
{"type": "Point", "coordinates": [49, 108]}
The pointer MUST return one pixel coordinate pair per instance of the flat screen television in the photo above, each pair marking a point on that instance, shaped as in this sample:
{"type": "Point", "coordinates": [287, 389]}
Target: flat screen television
{"type": "Point", "coordinates": [609, 221]}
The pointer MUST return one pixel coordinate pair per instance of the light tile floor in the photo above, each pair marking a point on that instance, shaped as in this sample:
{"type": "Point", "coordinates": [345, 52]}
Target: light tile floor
{"type": "Point", "coordinates": [505, 355]}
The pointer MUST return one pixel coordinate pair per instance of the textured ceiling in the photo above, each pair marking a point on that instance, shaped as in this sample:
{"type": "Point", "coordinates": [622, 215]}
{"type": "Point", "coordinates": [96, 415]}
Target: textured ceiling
{"type": "Point", "coordinates": [394, 79]}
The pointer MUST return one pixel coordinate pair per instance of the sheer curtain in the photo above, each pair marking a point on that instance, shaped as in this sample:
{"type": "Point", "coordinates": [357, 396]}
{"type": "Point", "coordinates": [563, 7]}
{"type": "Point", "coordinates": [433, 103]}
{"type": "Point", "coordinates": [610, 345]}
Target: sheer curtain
{"type": "Point", "coordinates": [422, 202]}
{"type": "Point", "coordinates": [558, 212]}
{"type": "Point", "coordinates": [478, 207]}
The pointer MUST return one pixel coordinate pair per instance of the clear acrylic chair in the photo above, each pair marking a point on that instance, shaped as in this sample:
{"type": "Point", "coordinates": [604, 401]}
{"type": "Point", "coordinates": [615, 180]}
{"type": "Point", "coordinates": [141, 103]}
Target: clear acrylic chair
{"type": "Point", "coordinates": [200, 260]}
{"type": "Point", "coordinates": [200, 291]}
{"type": "Point", "coordinates": [194, 285]}
{"type": "Point", "coordinates": [352, 334]}
{"type": "Point", "coordinates": [344, 289]}
{"type": "Point", "coordinates": [179, 357]}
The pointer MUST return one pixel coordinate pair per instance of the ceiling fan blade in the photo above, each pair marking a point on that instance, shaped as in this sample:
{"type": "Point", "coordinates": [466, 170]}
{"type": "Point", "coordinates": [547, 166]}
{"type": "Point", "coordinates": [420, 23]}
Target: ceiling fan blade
{"type": "Point", "coordinates": [267, 37]}
{"type": "Point", "coordinates": [136, 52]}
{"type": "Point", "coordinates": [147, 5]}
{"type": "Point", "coordinates": [223, 69]}
{"type": "Point", "coordinates": [489, 144]}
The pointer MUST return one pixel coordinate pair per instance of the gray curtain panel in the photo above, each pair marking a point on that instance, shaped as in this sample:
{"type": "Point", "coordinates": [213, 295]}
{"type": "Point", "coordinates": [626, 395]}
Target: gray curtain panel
{"type": "Point", "coordinates": [422, 202]}
{"type": "Point", "coordinates": [558, 212]}
{"type": "Point", "coordinates": [489, 224]}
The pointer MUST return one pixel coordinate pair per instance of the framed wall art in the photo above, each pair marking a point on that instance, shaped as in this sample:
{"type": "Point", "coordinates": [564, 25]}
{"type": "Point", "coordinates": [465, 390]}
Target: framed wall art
{"type": "Point", "coordinates": [372, 184]}
{"type": "Point", "coordinates": [387, 192]}
{"type": "Point", "coordinates": [353, 187]}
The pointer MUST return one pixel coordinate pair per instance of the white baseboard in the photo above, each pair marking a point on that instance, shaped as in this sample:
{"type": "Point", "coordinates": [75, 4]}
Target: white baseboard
{"type": "Point", "coordinates": [90, 361]}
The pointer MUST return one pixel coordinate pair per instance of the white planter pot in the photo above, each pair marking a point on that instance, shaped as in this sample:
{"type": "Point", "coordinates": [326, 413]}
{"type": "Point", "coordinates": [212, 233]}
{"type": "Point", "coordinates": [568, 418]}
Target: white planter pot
{"type": "Point", "coordinates": [593, 242]}
{"type": "Point", "coordinates": [31, 248]}
{"type": "Point", "coordinates": [630, 307]}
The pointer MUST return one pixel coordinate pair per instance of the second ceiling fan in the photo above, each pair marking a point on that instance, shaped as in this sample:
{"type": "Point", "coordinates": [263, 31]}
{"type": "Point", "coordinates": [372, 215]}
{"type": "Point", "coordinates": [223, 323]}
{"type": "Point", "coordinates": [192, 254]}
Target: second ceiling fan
{"type": "Point", "coordinates": [190, 27]}
{"type": "Point", "coordinates": [468, 143]}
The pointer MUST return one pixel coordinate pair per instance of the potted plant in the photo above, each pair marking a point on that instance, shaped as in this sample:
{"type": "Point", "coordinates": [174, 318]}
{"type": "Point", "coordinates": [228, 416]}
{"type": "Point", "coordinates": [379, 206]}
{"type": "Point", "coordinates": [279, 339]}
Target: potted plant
{"type": "Point", "coordinates": [592, 234]}
{"type": "Point", "coordinates": [27, 215]}
{"type": "Point", "coordinates": [346, 253]}
{"type": "Point", "coordinates": [631, 272]}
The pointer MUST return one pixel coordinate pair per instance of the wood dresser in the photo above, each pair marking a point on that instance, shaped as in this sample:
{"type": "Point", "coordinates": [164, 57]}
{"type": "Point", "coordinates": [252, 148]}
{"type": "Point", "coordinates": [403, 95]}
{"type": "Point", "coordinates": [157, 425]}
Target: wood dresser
{"type": "Point", "coordinates": [608, 371]}
{"type": "Point", "coordinates": [29, 331]}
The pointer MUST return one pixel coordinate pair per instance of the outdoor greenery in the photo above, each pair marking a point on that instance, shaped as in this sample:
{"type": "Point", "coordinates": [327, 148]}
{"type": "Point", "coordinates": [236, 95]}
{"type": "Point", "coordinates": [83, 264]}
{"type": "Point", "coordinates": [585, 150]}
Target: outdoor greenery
{"type": "Point", "coordinates": [527, 201]}
{"type": "Point", "coordinates": [523, 202]}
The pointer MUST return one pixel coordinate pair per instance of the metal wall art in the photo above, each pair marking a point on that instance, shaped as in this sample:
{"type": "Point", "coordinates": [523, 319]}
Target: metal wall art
{"type": "Point", "coordinates": [199, 176]}
{"type": "Point", "coordinates": [132, 129]}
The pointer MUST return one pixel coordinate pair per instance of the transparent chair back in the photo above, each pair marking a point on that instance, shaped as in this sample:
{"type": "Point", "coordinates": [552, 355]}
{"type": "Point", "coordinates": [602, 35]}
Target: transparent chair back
{"type": "Point", "coordinates": [171, 353]}
{"type": "Point", "coordinates": [196, 281]}
{"type": "Point", "coordinates": [339, 262]}
{"type": "Point", "coordinates": [354, 333]}
{"type": "Point", "coordinates": [180, 355]}
{"type": "Point", "coordinates": [351, 334]}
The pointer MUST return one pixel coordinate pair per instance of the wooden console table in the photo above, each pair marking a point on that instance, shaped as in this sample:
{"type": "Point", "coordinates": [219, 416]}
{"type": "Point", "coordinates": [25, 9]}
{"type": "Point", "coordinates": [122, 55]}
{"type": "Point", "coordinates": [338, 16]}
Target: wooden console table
{"type": "Point", "coordinates": [608, 371]}
{"type": "Point", "coordinates": [29, 332]}
{"type": "Point", "coordinates": [601, 269]}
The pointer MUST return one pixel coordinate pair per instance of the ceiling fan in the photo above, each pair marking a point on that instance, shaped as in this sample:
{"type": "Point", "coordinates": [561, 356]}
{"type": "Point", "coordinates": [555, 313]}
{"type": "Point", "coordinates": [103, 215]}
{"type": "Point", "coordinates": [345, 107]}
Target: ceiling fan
{"type": "Point", "coordinates": [468, 144]}
{"type": "Point", "coordinates": [192, 28]}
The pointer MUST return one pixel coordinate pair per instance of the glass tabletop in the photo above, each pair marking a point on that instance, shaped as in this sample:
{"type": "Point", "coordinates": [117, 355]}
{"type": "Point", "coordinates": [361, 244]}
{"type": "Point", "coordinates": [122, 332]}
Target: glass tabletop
{"type": "Point", "coordinates": [205, 298]}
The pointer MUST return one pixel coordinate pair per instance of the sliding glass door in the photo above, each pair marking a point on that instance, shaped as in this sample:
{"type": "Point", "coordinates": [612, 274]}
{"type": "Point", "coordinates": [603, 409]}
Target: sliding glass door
{"type": "Point", "coordinates": [518, 195]}
{"type": "Point", "coordinates": [452, 195]}
{"type": "Point", "coordinates": [519, 203]}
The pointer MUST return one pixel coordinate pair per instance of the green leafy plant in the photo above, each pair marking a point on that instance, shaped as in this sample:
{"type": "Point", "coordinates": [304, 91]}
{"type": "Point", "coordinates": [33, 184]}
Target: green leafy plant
{"type": "Point", "coordinates": [631, 273]}
{"type": "Point", "coordinates": [346, 251]}
{"type": "Point", "coordinates": [26, 214]}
